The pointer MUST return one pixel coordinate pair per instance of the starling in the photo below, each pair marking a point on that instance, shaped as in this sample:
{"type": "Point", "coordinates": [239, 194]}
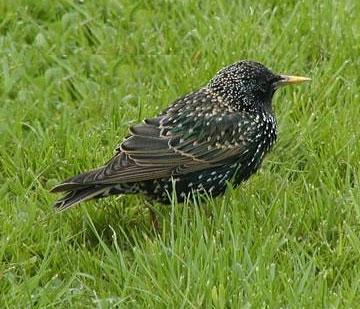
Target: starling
{"type": "Point", "coordinates": [217, 134]}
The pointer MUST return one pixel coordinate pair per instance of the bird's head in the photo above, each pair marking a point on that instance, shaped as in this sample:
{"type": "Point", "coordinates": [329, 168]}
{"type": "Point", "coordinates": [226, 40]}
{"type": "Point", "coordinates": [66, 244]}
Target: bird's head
{"type": "Point", "coordinates": [250, 85]}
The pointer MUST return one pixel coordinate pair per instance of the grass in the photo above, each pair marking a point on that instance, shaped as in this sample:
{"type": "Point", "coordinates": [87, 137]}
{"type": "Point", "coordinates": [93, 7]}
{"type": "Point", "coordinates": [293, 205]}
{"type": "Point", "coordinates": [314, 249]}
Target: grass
{"type": "Point", "coordinates": [76, 74]}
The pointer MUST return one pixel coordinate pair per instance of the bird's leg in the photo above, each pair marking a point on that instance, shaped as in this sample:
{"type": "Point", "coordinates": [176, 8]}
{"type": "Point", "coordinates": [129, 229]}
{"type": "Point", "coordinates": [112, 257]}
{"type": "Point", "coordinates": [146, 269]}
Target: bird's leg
{"type": "Point", "coordinates": [154, 222]}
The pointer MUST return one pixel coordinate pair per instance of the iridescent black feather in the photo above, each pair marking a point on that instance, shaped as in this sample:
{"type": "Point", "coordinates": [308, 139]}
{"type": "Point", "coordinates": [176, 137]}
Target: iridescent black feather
{"type": "Point", "coordinates": [217, 134]}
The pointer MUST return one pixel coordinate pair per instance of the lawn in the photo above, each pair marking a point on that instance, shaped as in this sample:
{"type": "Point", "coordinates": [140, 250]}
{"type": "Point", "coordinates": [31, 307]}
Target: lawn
{"type": "Point", "coordinates": [75, 75]}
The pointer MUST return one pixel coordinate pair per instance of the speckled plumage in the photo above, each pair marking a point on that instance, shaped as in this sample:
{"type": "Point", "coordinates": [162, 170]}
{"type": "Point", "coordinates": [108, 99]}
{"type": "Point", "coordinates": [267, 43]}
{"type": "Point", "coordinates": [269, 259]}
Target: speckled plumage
{"type": "Point", "coordinates": [217, 134]}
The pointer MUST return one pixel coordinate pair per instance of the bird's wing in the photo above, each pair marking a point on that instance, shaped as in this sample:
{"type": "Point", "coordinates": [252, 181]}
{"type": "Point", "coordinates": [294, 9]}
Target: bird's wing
{"type": "Point", "coordinates": [185, 139]}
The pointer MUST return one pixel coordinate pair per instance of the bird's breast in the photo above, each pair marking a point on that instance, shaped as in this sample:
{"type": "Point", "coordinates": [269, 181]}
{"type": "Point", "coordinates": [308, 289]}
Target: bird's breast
{"type": "Point", "coordinates": [262, 141]}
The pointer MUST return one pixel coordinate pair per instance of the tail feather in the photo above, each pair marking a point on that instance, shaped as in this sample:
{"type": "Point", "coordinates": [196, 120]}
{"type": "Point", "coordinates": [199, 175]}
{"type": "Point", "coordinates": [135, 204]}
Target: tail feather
{"type": "Point", "coordinates": [69, 186]}
{"type": "Point", "coordinates": [79, 188]}
{"type": "Point", "coordinates": [81, 181]}
{"type": "Point", "coordinates": [77, 195]}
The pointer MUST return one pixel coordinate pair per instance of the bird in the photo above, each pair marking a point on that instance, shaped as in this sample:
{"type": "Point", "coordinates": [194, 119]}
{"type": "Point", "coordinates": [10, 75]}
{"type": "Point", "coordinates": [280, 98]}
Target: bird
{"type": "Point", "coordinates": [210, 137]}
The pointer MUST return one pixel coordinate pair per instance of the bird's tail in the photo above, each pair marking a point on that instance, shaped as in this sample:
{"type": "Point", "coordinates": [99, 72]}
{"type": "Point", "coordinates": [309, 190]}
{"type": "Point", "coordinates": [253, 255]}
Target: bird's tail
{"type": "Point", "coordinates": [80, 188]}
{"type": "Point", "coordinates": [77, 195]}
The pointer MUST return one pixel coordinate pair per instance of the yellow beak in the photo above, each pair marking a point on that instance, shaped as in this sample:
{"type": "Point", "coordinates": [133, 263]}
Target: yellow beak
{"type": "Point", "coordinates": [290, 80]}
